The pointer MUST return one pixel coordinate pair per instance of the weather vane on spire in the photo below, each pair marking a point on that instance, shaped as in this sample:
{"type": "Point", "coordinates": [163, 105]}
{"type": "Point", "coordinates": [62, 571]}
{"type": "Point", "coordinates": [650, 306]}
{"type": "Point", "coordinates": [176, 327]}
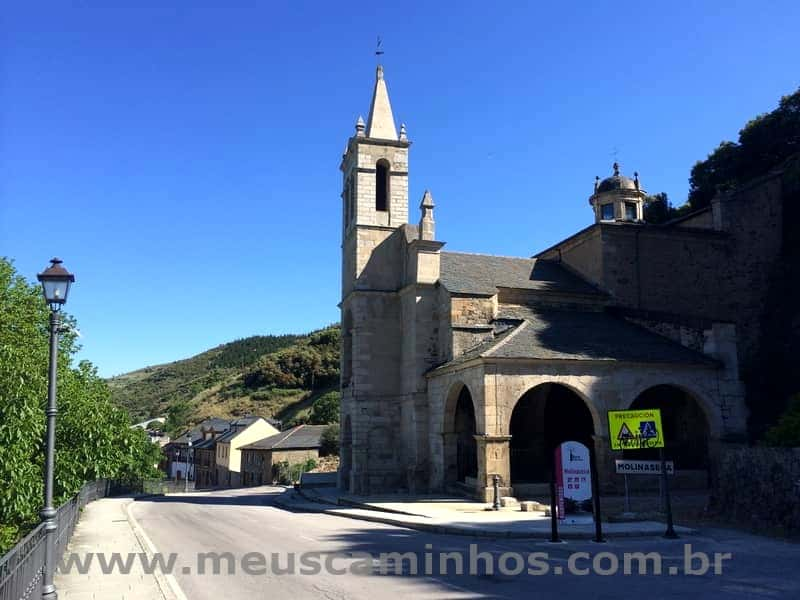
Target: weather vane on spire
{"type": "Point", "coordinates": [378, 50]}
{"type": "Point", "coordinates": [615, 166]}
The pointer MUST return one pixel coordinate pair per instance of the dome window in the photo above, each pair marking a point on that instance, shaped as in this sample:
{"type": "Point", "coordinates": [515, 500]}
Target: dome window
{"type": "Point", "coordinates": [607, 212]}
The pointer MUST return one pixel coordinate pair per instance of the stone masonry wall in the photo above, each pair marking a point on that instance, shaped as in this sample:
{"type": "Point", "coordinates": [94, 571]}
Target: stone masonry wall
{"type": "Point", "coordinates": [760, 487]}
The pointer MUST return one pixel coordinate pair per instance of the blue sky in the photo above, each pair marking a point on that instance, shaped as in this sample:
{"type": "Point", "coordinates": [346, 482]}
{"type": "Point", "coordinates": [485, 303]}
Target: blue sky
{"type": "Point", "coordinates": [182, 158]}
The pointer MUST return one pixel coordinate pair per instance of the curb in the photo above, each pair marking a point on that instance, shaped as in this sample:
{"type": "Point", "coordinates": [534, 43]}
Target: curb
{"type": "Point", "coordinates": [170, 590]}
{"type": "Point", "coordinates": [452, 530]}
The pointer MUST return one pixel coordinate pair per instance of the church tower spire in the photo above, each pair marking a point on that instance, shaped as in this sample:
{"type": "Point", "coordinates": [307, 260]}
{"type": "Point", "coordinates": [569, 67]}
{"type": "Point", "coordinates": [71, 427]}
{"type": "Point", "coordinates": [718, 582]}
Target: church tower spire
{"type": "Point", "coordinates": [380, 124]}
{"type": "Point", "coordinates": [374, 185]}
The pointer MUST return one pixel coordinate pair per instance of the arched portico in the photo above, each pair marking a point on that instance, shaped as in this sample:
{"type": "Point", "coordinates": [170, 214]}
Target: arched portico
{"type": "Point", "coordinates": [685, 423]}
{"type": "Point", "coordinates": [542, 418]}
{"type": "Point", "coordinates": [459, 429]}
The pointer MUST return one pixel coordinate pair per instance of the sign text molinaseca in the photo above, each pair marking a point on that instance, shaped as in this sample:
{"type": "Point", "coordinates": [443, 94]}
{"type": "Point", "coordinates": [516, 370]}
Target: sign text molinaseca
{"type": "Point", "coordinates": [573, 474]}
{"type": "Point", "coordinates": [634, 429]}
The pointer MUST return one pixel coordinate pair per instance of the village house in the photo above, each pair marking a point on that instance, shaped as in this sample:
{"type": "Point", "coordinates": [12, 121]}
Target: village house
{"type": "Point", "coordinates": [228, 457]}
{"type": "Point", "coordinates": [179, 456]}
{"type": "Point", "coordinates": [295, 445]}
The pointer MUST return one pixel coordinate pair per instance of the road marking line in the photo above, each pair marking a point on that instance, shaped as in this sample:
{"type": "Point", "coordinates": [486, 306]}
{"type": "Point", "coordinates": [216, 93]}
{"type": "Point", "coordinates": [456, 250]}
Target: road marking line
{"type": "Point", "coordinates": [140, 533]}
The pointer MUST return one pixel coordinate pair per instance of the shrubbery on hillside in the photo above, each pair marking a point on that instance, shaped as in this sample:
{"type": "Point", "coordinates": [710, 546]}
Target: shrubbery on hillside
{"type": "Point", "coordinates": [310, 364]}
{"type": "Point", "coordinates": [325, 409]}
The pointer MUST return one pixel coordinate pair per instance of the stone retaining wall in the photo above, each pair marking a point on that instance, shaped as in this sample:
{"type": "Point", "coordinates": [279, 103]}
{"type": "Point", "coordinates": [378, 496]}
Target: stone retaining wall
{"type": "Point", "coordinates": [760, 487]}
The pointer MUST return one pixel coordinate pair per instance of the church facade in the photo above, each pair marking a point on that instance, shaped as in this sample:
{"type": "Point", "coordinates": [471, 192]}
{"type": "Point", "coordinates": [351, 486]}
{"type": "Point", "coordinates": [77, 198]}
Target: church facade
{"type": "Point", "coordinates": [458, 367]}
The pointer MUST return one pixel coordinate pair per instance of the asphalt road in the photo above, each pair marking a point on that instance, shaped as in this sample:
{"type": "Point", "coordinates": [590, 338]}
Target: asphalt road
{"type": "Point", "coordinates": [261, 538]}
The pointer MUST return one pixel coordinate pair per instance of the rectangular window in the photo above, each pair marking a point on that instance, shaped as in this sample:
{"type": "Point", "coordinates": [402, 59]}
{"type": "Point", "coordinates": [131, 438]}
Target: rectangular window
{"type": "Point", "coordinates": [607, 212]}
{"type": "Point", "coordinates": [630, 211]}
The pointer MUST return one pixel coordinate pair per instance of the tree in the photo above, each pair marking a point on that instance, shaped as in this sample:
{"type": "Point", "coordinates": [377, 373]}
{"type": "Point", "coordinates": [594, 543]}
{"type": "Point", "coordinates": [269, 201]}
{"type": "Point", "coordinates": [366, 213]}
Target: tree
{"type": "Point", "coordinates": [93, 437]}
{"type": "Point", "coordinates": [329, 441]}
{"type": "Point", "coordinates": [657, 208]}
{"type": "Point", "coordinates": [786, 432]}
{"type": "Point", "coordinates": [764, 143]}
{"type": "Point", "coordinates": [177, 417]}
{"type": "Point", "coordinates": [325, 409]}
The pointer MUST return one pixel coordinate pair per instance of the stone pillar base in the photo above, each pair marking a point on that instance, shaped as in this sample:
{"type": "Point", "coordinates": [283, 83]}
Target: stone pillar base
{"type": "Point", "coordinates": [487, 494]}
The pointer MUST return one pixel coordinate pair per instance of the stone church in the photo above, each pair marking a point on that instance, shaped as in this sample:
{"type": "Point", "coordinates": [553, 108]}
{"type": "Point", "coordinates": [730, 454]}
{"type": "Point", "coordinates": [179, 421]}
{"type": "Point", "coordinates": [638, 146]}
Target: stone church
{"type": "Point", "coordinates": [457, 366]}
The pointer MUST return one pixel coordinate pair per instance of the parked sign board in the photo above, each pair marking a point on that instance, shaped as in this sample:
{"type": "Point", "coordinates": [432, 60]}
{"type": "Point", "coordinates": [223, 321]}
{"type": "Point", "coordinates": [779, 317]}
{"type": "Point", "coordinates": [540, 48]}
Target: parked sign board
{"type": "Point", "coordinates": [643, 467]}
{"type": "Point", "coordinates": [573, 474]}
{"type": "Point", "coordinates": [635, 429]}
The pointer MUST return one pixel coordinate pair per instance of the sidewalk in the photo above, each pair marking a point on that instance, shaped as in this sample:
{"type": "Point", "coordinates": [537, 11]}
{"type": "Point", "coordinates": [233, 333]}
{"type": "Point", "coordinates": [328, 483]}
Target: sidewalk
{"type": "Point", "coordinates": [104, 528]}
{"type": "Point", "coordinates": [457, 516]}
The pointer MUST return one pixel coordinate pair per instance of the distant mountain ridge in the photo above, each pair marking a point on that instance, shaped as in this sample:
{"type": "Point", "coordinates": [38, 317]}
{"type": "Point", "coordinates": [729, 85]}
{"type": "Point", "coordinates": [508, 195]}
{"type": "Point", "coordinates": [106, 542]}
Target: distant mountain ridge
{"type": "Point", "coordinates": [228, 381]}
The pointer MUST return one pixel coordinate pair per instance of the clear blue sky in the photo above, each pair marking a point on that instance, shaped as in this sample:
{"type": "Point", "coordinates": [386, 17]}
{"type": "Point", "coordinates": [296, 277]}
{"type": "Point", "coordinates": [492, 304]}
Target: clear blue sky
{"type": "Point", "coordinates": [182, 157]}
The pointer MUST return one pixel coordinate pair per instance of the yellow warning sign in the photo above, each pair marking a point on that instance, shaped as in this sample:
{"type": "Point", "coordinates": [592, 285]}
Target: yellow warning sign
{"type": "Point", "coordinates": [635, 429]}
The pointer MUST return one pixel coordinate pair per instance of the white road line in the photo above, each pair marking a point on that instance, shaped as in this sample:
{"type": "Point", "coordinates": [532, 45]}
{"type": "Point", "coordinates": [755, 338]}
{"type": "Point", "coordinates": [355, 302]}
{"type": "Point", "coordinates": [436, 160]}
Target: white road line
{"type": "Point", "coordinates": [137, 529]}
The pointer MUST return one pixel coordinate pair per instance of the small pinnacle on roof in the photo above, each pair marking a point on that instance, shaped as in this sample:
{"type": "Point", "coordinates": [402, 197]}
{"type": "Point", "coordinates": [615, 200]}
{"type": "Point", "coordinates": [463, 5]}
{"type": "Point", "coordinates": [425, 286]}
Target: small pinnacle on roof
{"type": "Point", "coordinates": [596, 182]}
{"type": "Point", "coordinates": [427, 226]}
{"type": "Point", "coordinates": [403, 135]}
{"type": "Point", "coordinates": [360, 126]}
{"type": "Point", "coordinates": [636, 179]}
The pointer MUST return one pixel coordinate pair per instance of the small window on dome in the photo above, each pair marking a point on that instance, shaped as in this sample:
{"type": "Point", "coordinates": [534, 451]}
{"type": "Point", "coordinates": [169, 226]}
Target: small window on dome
{"type": "Point", "coordinates": [607, 212]}
{"type": "Point", "coordinates": [630, 211]}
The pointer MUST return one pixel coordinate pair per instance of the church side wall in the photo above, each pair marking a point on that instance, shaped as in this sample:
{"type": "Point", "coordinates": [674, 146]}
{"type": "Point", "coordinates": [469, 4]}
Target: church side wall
{"type": "Point", "coordinates": [719, 276]}
{"type": "Point", "coordinates": [583, 256]}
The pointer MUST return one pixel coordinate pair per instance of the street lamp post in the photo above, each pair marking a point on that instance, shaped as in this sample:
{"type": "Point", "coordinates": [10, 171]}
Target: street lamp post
{"type": "Point", "coordinates": [188, 458]}
{"type": "Point", "coordinates": [56, 281]}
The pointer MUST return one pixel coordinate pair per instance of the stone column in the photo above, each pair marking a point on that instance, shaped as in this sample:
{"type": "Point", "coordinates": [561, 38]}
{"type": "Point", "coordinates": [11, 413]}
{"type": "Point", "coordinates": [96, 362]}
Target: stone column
{"type": "Point", "coordinates": [494, 458]}
{"type": "Point", "coordinates": [605, 463]}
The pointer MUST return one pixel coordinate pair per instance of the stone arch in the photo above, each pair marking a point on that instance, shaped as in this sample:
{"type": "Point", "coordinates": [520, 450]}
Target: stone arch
{"type": "Point", "coordinates": [460, 426]}
{"type": "Point", "coordinates": [709, 409]}
{"type": "Point", "coordinates": [685, 422]}
{"type": "Point", "coordinates": [382, 185]}
{"type": "Point", "coordinates": [346, 452]}
{"type": "Point", "coordinates": [543, 417]}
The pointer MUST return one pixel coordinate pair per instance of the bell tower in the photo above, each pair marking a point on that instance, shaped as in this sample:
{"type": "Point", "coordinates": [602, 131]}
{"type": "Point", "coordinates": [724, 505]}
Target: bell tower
{"type": "Point", "coordinates": [374, 184]}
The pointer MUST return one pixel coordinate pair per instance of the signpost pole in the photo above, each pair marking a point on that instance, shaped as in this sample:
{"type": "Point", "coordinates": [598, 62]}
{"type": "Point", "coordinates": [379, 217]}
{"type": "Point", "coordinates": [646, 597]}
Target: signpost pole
{"type": "Point", "coordinates": [627, 508]}
{"type": "Point", "coordinates": [598, 520]}
{"type": "Point", "coordinates": [670, 532]}
{"type": "Point", "coordinates": [553, 510]}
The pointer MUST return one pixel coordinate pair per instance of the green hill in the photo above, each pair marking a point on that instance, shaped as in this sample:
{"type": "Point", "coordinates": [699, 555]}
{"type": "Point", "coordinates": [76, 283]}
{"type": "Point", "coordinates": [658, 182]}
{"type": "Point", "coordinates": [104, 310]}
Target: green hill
{"type": "Point", "coordinates": [270, 376]}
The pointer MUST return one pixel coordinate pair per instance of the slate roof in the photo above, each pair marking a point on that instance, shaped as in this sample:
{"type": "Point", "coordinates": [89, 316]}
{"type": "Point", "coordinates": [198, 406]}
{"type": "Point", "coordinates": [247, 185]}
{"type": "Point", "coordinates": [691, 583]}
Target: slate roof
{"type": "Point", "coordinates": [209, 443]}
{"type": "Point", "coordinates": [571, 335]}
{"type": "Point", "coordinates": [302, 436]}
{"type": "Point", "coordinates": [483, 274]}
{"type": "Point", "coordinates": [196, 432]}
{"type": "Point", "coordinates": [215, 423]}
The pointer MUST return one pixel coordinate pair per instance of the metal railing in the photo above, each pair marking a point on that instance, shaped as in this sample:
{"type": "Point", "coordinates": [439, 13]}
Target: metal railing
{"type": "Point", "coordinates": [21, 568]}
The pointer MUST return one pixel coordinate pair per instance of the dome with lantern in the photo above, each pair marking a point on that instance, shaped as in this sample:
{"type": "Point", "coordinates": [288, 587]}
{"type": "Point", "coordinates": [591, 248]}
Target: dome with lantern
{"type": "Point", "coordinates": [618, 198]}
